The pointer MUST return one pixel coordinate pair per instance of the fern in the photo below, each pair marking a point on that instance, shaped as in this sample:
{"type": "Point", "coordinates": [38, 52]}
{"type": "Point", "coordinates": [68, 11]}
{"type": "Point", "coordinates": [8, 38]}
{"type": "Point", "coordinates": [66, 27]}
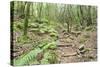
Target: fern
{"type": "Point", "coordinates": [28, 57]}
{"type": "Point", "coordinates": [31, 55]}
{"type": "Point", "coordinates": [48, 45]}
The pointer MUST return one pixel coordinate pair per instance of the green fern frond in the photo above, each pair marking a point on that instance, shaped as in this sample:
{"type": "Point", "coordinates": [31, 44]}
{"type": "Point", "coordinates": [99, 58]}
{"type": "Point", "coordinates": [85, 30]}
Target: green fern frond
{"type": "Point", "coordinates": [31, 56]}
{"type": "Point", "coordinates": [27, 58]}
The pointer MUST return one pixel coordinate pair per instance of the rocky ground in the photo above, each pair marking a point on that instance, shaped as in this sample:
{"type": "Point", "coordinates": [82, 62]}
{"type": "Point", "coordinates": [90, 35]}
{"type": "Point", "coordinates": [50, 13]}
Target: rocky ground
{"type": "Point", "coordinates": [77, 47]}
{"type": "Point", "coordinates": [72, 47]}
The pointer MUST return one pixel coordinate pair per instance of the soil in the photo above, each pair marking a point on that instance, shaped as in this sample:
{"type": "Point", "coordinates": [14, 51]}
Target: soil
{"type": "Point", "coordinates": [70, 49]}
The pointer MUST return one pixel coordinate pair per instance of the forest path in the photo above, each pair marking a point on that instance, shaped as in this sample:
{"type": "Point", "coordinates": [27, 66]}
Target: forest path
{"type": "Point", "coordinates": [72, 47]}
{"type": "Point", "coordinates": [71, 50]}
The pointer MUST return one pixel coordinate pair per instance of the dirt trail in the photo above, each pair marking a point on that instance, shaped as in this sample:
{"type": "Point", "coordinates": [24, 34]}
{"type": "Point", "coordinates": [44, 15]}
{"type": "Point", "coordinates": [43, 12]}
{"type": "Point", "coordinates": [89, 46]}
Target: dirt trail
{"type": "Point", "coordinates": [71, 47]}
{"type": "Point", "coordinates": [71, 50]}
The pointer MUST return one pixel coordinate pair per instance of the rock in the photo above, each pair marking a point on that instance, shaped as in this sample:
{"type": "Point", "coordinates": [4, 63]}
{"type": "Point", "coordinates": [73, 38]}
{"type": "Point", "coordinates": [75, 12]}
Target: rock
{"type": "Point", "coordinates": [67, 51]}
{"type": "Point", "coordinates": [81, 47]}
{"type": "Point", "coordinates": [63, 44]}
{"type": "Point", "coordinates": [83, 51]}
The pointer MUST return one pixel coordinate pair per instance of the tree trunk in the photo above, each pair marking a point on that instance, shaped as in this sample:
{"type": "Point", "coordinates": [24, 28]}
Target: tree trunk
{"type": "Point", "coordinates": [27, 10]}
{"type": "Point", "coordinates": [89, 20]}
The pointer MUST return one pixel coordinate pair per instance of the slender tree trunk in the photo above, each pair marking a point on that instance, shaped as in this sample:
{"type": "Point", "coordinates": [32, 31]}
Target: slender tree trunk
{"type": "Point", "coordinates": [27, 10]}
{"type": "Point", "coordinates": [89, 20]}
